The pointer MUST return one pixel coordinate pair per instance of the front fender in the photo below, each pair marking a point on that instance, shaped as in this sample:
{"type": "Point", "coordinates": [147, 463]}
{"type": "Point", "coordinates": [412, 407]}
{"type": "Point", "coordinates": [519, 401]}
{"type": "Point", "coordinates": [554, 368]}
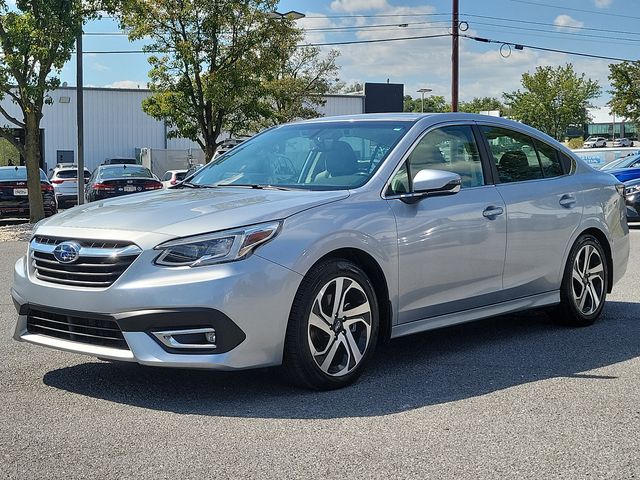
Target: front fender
{"type": "Point", "coordinates": [367, 225]}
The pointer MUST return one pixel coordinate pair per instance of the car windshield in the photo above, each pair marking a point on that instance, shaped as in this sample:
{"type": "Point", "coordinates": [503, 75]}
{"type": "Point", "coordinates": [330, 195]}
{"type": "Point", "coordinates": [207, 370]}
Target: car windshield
{"type": "Point", "coordinates": [19, 174]}
{"type": "Point", "coordinates": [314, 156]}
{"type": "Point", "coordinates": [125, 171]}
{"type": "Point", "coordinates": [621, 162]}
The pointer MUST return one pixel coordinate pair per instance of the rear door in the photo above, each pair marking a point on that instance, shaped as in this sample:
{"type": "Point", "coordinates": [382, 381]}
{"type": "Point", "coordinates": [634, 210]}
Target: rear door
{"type": "Point", "coordinates": [451, 248]}
{"type": "Point", "coordinates": [543, 205]}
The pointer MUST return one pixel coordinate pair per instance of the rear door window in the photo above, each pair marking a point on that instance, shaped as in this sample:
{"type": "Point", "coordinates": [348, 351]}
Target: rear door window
{"type": "Point", "coordinates": [549, 160]}
{"type": "Point", "coordinates": [513, 153]}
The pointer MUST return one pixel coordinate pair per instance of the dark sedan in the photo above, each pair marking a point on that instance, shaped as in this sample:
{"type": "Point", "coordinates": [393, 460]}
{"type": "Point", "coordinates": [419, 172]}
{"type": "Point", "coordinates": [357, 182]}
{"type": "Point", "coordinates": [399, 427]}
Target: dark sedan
{"type": "Point", "coordinates": [14, 195]}
{"type": "Point", "coordinates": [632, 198]}
{"type": "Point", "coordinates": [109, 181]}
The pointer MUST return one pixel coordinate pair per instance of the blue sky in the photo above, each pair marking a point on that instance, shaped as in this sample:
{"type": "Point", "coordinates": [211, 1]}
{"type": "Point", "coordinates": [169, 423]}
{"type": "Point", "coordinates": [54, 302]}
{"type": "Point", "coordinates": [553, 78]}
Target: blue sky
{"type": "Point", "coordinates": [599, 27]}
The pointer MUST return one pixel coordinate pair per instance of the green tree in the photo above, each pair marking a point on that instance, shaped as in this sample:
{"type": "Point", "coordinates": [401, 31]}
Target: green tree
{"type": "Point", "coordinates": [226, 65]}
{"type": "Point", "coordinates": [482, 104]}
{"type": "Point", "coordinates": [296, 87]}
{"type": "Point", "coordinates": [553, 99]}
{"type": "Point", "coordinates": [432, 104]}
{"type": "Point", "coordinates": [625, 90]}
{"type": "Point", "coordinates": [36, 39]}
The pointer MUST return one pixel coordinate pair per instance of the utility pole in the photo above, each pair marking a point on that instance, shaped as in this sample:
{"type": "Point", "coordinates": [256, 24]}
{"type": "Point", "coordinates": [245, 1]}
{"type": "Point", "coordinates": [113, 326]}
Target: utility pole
{"type": "Point", "coordinates": [454, 57]}
{"type": "Point", "coordinates": [80, 117]}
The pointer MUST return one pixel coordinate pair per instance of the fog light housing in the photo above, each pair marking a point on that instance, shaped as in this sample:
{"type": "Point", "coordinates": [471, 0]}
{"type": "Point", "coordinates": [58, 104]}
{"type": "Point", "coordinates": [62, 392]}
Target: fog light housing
{"type": "Point", "coordinates": [188, 338]}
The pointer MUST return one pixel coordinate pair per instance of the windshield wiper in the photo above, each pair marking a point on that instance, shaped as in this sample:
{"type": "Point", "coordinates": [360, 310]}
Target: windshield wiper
{"type": "Point", "coordinates": [195, 185]}
{"type": "Point", "coordinates": [257, 186]}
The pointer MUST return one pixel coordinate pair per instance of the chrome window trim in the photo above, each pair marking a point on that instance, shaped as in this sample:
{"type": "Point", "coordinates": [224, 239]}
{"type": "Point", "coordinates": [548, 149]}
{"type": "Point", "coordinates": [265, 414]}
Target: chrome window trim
{"type": "Point", "coordinates": [405, 157]}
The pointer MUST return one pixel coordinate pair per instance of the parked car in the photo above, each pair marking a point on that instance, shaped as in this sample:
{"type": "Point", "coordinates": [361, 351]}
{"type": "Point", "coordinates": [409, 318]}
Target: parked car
{"type": "Point", "coordinates": [622, 142]}
{"type": "Point", "coordinates": [629, 161]}
{"type": "Point", "coordinates": [64, 178]}
{"type": "Point", "coordinates": [632, 198]}
{"type": "Point", "coordinates": [109, 181]}
{"type": "Point", "coordinates": [14, 194]}
{"type": "Point", "coordinates": [312, 242]}
{"type": "Point", "coordinates": [595, 142]}
{"type": "Point", "coordinates": [173, 177]}
{"type": "Point", "coordinates": [120, 161]}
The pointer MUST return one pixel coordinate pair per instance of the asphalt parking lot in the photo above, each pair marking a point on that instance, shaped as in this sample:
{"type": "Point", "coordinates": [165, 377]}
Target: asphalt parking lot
{"type": "Point", "coordinates": [510, 397]}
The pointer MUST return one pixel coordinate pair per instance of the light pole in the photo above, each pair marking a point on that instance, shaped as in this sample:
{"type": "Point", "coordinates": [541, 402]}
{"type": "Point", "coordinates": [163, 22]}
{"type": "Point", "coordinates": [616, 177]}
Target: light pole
{"type": "Point", "coordinates": [290, 15]}
{"type": "Point", "coordinates": [80, 117]}
{"type": "Point", "coordinates": [423, 91]}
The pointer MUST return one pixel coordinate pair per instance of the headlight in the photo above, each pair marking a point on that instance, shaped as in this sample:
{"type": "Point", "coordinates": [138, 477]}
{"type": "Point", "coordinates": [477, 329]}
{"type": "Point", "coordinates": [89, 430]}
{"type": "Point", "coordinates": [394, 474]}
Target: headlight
{"type": "Point", "coordinates": [212, 248]}
{"type": "Point", "coordinates": [631, 190]}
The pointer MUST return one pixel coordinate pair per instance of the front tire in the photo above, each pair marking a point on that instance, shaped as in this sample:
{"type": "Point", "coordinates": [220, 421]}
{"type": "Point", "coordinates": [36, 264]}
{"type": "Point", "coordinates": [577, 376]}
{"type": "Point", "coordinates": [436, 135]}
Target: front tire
{"type": "Point", "coordinates": [584, 285]}
{"type": "Point", "coordinates": [333, 327]}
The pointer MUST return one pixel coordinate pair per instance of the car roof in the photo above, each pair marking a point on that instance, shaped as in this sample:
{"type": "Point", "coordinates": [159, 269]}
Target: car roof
{"type": "Point", "coordinates": [122, 165]}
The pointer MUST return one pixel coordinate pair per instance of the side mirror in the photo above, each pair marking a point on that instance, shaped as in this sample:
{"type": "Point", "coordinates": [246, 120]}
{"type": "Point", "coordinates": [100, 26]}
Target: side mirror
{"type": "Point", "coordinates": [430, 183]}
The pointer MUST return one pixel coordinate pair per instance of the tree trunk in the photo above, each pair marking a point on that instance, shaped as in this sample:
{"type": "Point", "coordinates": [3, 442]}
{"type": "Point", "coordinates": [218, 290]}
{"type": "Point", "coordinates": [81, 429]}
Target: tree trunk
{"type": "Point", "coordinates": [32, 160]}
{"type": "Point", "coordinates": [210, 149]}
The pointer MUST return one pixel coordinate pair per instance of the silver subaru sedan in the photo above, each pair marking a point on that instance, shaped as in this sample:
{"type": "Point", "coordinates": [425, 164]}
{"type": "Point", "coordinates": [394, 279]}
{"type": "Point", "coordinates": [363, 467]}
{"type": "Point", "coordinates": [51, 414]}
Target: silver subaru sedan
{"type": "Point", "coordinates": [311, 243]}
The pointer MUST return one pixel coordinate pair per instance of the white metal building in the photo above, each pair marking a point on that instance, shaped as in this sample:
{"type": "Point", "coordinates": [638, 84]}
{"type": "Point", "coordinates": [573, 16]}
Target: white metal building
{"type": "Point", "coordinates": [116, 126]}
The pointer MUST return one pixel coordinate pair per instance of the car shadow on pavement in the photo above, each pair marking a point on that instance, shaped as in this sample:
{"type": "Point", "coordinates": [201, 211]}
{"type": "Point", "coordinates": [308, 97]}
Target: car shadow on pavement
{"type": "Point", "coordinates": [426, 369]}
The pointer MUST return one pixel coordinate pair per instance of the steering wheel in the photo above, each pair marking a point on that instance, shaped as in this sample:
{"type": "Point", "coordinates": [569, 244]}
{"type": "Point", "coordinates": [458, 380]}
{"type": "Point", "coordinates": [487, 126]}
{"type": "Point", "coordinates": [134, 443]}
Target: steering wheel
{"type": "Point", "coordinates": [283, 166]}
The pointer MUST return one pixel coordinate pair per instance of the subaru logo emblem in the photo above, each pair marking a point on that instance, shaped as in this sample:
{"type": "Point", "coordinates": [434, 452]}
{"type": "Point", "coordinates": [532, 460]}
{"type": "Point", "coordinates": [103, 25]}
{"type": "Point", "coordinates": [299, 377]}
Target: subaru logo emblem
{"type": "Point", "coordinates": [67, 252]}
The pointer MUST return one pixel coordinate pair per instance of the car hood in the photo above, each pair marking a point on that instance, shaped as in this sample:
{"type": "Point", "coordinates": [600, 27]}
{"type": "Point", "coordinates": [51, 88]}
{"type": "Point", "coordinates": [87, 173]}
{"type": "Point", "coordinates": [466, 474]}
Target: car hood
{"type": "Point", "coordinates": [183, 212]}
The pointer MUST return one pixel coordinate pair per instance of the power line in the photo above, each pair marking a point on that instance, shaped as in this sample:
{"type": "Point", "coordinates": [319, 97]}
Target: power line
{"type": "Point", "coordinates": [529, 29]}
{"type": "Point", "coordinates": [583, 10]}
{"type": "Point", "coordinates": [374, 41]}
{"type": "Point", "coordinates": [382, 15]}
{"type": "Point", "coordinates": [326, 44]}
{"type": "Point", "coordinates": [319, 29]}
{"type": "Point", "coordinates": [628, 43]}
{"type": "Point", "coordinates": [535, 47]}
{"type": "Point", "coordinates": [529, 22]}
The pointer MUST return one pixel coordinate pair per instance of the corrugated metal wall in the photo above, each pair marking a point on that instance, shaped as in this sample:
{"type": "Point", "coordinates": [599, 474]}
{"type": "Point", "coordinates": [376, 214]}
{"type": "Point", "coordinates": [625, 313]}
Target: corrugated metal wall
{"type": "Point", "coordinates": [115, 125]}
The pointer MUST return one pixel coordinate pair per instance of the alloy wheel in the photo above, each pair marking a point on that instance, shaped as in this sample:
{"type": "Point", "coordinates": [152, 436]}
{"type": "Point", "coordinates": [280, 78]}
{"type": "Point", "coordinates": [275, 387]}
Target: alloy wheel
{"type": "Point", "coordinates": [339, 328]}
{"type": "Point", "coordinates": [587, 280]}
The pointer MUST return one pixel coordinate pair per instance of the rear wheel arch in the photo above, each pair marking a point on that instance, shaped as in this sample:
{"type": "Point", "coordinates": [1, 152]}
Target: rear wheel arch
{"type": "Point", "coordinates": [604, 242]}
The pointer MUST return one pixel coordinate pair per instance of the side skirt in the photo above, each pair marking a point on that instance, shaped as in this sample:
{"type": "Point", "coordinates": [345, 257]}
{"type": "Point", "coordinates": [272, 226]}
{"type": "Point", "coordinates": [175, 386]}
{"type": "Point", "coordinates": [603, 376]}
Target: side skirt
{"type": "Point", "coordinates": [526, 303]}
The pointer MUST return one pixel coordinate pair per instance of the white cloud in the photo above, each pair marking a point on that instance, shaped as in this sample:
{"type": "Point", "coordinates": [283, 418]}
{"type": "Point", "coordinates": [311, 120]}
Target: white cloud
{"type": "Point", "coordinates": [603, 3]}
{"type": "Point", "coordinates": [567, 21]}
{"type": "Point", "coordinates": [351, 6]}
{"type": "Point", "coordinates": [99, 67]}
{"type": "Point", "coordinates": [126, 84]}
{"type": "Point", "coordinates": [427, 62]}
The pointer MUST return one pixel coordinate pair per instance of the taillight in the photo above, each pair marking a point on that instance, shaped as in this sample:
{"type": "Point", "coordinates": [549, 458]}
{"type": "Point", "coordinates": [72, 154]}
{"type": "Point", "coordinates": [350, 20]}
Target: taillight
{"type": "Point", "coordinates": [57, 182]}
{"type": "Point", "coordinates": [152, 185]}
{"type": "Point", "coordinates": [103, 187]}
{"type": "Point", "coordinates": [46, 187]}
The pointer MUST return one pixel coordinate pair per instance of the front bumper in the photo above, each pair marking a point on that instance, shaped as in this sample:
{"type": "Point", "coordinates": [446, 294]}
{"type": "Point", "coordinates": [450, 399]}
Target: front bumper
{"type": "Point", "coordinates": [247, 302]}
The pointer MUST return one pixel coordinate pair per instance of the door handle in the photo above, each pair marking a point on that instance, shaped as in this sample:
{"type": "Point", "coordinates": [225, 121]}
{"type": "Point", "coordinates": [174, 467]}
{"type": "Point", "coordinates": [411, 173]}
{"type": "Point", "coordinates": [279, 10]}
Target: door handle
{"type": "Point", "coordinates": [568, 201]}
{"type": "Point", "coordinates": [492, 212]}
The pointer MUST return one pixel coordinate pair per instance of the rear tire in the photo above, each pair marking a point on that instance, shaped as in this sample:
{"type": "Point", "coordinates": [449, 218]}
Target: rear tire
{"type": "Point", "coordinates": [584, 284]}
{"type": "Point", "coordinates": [333, 327]}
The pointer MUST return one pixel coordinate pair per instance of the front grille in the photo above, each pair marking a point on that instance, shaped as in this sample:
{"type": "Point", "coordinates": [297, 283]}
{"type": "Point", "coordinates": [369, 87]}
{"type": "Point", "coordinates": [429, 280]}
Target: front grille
{"type": "Point", "coordinates": [85, 243]}
{"type": "Point", "coordinates": [100, 263]}
{"type": "Point", "coordinates": [102, 332]}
